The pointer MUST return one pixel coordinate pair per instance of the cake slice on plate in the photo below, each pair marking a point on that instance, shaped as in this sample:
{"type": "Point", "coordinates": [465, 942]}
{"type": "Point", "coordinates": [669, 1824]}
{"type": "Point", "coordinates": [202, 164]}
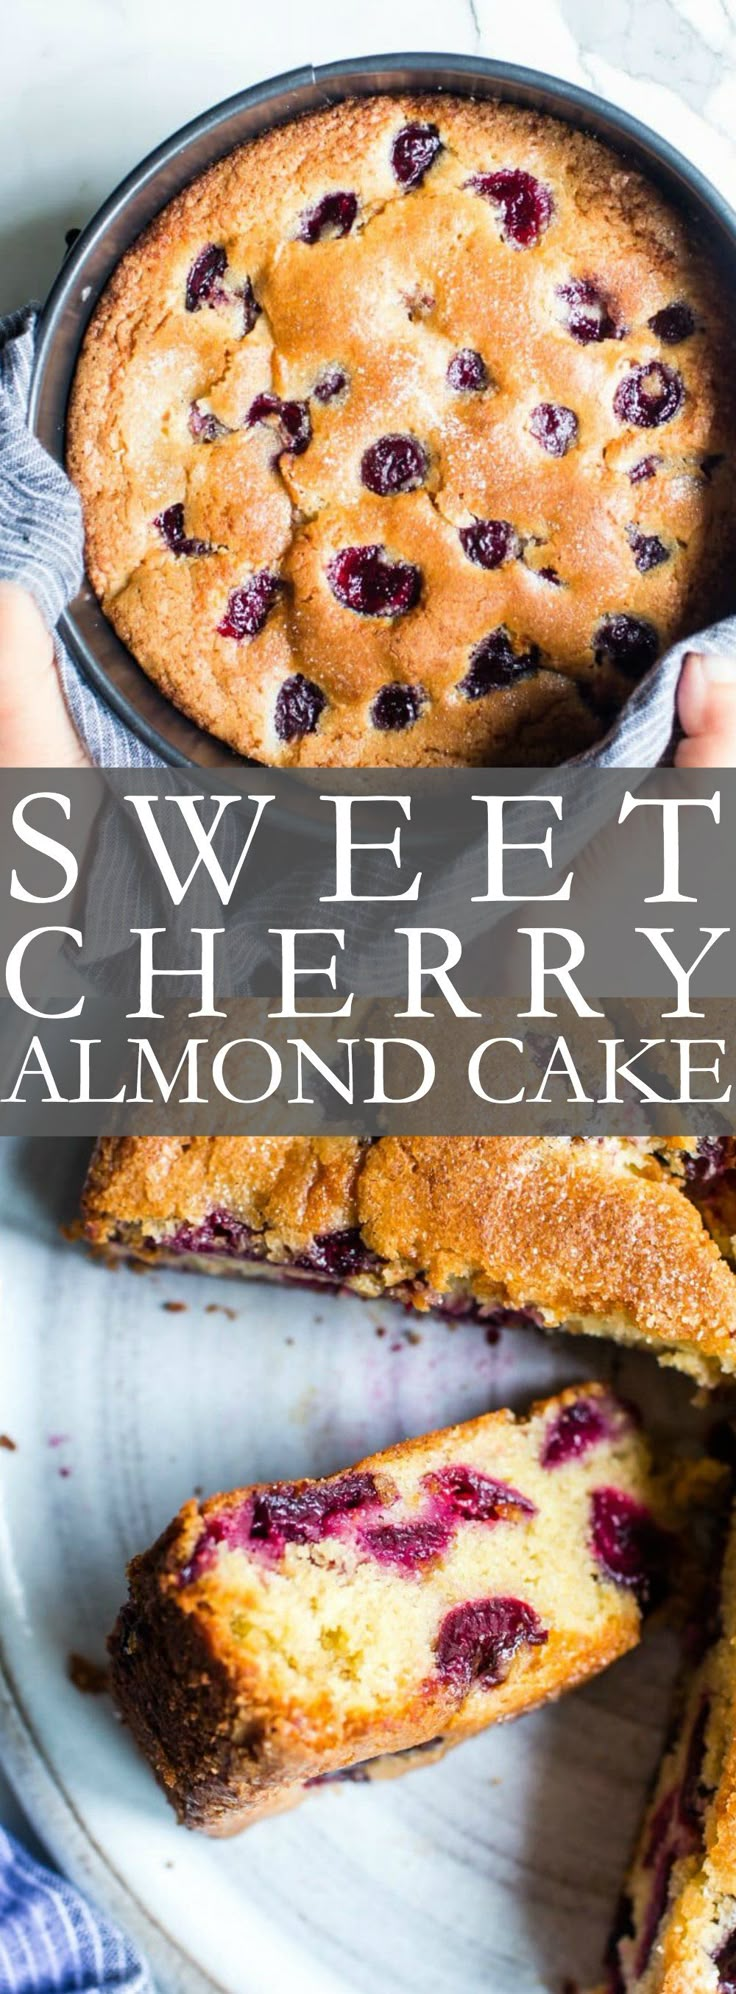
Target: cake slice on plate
{"type": "Point", "coordinates": [282, 1633]}
{"type": "Point", "coordinates": [675, 1930]}
{"type": "Point", "coordinates": [592, 1235]}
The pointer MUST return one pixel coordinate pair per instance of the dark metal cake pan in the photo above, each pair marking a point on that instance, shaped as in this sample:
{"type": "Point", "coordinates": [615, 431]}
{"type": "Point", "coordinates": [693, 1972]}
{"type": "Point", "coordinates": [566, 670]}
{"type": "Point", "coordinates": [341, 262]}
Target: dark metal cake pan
{"type": "Point", "coordinates": [88, 635]}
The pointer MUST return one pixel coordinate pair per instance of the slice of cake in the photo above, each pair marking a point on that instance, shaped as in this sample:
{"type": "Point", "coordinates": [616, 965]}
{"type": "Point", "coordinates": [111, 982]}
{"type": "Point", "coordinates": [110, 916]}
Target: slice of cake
{"type": "Point", "coordinates": [593, 1235]}
{"type": "Point", "coordinates": [278, 1634]}
{"type": "Point", "coordinates": [675, 1930]}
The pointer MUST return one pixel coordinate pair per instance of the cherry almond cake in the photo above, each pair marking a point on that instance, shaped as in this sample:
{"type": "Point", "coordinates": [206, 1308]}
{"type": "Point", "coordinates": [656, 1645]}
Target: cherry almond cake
{"type": "Point", "coordinates": [405, 435]}
{"type": "Point", "coordinates": [599, 1236]}
{"type": "Point", "coordinates": [282, 1633]}
{"type": "Point", "coordinates": [675, 1931]}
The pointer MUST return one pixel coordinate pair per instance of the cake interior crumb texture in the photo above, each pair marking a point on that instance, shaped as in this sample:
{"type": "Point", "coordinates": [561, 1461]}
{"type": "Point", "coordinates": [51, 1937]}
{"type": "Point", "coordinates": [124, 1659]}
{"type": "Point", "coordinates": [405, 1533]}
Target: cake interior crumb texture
{"type": "Point", "coordinates": [405, 435]}
{"type": "Point", "coordinates": [675, 1929]}
{"type": "Point", "coordinates": [278, 1634]}
{"type": "Point", "coordinates": [598, 1236]}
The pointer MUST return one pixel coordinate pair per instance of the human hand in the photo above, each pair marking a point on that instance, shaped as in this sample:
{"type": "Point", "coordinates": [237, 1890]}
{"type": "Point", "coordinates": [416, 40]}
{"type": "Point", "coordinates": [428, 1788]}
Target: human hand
{"type": "Point", "coordinates": [35, 728]}
{"type": "Point", "coordinates": [706, 708]}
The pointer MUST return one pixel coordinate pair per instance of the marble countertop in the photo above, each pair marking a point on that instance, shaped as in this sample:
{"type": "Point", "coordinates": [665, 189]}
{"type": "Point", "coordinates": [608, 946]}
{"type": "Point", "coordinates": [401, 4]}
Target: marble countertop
{"type": "Point", "coordinates": [88, 88]}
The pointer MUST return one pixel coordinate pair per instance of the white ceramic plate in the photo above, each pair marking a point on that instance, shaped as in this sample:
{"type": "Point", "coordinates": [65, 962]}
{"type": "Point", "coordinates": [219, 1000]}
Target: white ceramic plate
{"type": "Point", "coordinates": [495, 1870]}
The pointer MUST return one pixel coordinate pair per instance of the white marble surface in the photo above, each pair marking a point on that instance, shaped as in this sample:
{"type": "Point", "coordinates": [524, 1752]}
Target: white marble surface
{"type": "Point", "coordinates": [86, 88]}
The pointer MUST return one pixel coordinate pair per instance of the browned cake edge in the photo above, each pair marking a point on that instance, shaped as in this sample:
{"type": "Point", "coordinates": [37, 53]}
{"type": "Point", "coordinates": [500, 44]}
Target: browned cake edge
{"type": "Point", "coordinates": [597, 1237]}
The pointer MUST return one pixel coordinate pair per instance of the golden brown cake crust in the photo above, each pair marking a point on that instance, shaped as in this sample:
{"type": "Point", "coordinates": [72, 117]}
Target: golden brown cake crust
{"type": "Point", "coordinates": [219, 1681]}
{"type": "Point", "coordinates": [420, 276]}
{"type": "Point", "coordinates": [685, 1861]}
{"type": "Point", "coordinates": [596, 1235]}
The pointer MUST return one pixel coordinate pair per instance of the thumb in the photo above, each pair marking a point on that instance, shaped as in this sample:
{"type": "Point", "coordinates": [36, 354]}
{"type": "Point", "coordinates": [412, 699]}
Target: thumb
{"type": "Point", "coordinates": [706, 706]}
{"type": "Point", "coordinates": [35, 728]}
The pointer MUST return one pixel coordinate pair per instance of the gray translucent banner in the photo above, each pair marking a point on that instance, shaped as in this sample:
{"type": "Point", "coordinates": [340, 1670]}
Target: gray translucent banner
{"type": "Point", "coordinates": [440, 951]}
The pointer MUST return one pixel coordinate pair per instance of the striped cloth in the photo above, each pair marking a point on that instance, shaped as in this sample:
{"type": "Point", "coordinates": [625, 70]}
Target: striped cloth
{"type": "Point", "coordinates": [41, 542]}
{"type": "Point", "coordinates": [41, 546]}
{"type": "Point", "coordinates": [50, 1940]}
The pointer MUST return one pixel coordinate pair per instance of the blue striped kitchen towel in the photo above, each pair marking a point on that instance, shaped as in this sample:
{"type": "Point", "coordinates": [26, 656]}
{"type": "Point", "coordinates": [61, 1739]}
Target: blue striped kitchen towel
{"type": "Point", "coordinates": [52, 1942]}
{"type": "Point", "coordinates": [41, 542]}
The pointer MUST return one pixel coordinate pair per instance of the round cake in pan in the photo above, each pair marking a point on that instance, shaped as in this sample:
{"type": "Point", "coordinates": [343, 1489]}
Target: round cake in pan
{"type": "Point", "coordinates": [405, 435]}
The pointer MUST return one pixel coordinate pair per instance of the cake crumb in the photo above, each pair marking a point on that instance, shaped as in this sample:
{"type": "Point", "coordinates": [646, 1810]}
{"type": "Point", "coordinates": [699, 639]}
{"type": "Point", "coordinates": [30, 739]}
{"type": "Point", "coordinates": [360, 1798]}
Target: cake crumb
{"type": "Point", "coordinates": [380, 1329]}
{"type": "Point", "coordinates": [219, 1308]}
{"type": "Point", "coordinates": [174, 1308]}
{"type": "Point", "coordinates": [11, 1446]}
{"type": "Point", "coordinates": [88, 1677]}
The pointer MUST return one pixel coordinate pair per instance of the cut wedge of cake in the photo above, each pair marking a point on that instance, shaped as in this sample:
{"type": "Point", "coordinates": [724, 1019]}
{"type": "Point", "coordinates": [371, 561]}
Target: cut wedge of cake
{"type": "Point", "coordinates": [277, 1635]}
{"type": "Point", "coordinates": [597, 1236]}
{"type": "Point", "coordinates": [676, 1924]}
